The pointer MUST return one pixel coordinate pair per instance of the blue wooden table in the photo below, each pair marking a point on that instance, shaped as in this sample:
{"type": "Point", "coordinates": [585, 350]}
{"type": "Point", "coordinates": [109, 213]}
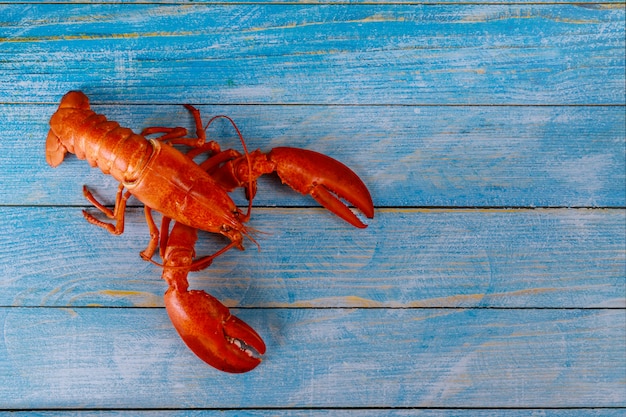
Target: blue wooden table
{"type": "Point", "coordinates": [491, 282]}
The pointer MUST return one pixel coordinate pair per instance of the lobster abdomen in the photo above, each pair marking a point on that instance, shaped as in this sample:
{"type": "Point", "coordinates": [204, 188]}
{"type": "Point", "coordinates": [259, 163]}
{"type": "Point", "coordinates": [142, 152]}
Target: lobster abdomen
{"type": "Point", "coordinates": [77, 129]}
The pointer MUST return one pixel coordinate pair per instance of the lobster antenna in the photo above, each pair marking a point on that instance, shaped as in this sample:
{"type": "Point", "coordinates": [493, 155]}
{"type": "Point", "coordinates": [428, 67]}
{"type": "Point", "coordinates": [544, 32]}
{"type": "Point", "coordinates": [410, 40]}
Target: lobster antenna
{"type": "Point", "coordinates": [245, 151]}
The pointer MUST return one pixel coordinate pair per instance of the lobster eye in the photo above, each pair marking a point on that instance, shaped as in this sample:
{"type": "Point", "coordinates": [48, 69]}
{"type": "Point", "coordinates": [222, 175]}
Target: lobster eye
{"type": "Point", "coordinates": [225, 228]}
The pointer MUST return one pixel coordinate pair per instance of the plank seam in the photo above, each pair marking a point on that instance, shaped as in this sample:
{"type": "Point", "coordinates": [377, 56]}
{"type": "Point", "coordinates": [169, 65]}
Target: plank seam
{"type": "Point", "coordinates": [374, 408]}
{"type": "Point", "coordinates": [87, 307]}
{"type": "Point", "coordinates": [329, 3]}
{"type": "Point", "coordinates": [259, 104]}
{"type": "Point", "coordinates": [411, 207]}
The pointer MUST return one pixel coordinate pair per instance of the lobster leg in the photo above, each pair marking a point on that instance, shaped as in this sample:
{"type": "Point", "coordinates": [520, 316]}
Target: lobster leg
{"type": "Point", "coordinates": [168, 133]}
{"type": "Point", "coordinates": [206, 325]}
{"type": "Point", "coordinates": [178, 135]}
{"type": "Point", "coordinates": [148, 253]}
{"type": "Point", "coordinates": [117, 214]}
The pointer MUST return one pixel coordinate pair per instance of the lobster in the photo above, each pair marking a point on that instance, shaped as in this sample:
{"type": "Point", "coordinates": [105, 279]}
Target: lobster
{"type": "Point", "coordinates": [196, 197]}
{"type": "Point", "coordinates": [166, 180]}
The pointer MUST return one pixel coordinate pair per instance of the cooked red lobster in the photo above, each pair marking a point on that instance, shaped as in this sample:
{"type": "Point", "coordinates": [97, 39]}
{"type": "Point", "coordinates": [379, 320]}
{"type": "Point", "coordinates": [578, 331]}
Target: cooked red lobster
{"type": "Point", "coordinates": [196, 197]}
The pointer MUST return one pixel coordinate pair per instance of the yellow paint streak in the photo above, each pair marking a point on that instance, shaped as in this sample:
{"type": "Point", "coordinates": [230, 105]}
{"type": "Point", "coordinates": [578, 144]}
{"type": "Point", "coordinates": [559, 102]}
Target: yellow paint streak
{"type": "Point", "coordinates": [526, 15]}
{"type": "Point", "coordinates": [379, 18]}
{"type": "Point", "coordinates": [120, 293]}
{"type": "Point", "coordinates": [464, 300]}
{"type": "Point", "coordinates": [531, 291]}
{"type": "Point", "coordinates": [349, 301]}
{"type": "Point", "coordinates": [143, 299]}
{"type": "Point", "coordinates": [460, 301]}
{"type": "Point", "coordinates": [376, 18]}
{"type": "Point", "coordinates": [96, 37]}
{"type": "Point", "coordinates": [610, 6]}
{"type": "Point", "coordinates": [438, 313]}
{"type": "Point", "coordinates": [71, 312]}
{"type": "Point", "coordinates": [360, 302]}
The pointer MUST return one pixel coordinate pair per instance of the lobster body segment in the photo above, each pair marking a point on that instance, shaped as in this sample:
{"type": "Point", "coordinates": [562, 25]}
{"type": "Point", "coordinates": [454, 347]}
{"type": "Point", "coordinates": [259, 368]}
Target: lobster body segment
{"type": "Point", "coordinates": [194, 198]}
{"type": "Point", "coordinates": [104, 144]}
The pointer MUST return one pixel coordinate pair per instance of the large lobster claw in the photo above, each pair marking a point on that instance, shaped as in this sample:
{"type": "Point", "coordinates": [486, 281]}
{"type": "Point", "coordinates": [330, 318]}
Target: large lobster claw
{"type": "Point", "coordinates": [323, 177]}
{"type": "Point", "coordinates": [202, 321]}
{"type": "Point", "coordinates": [212, 333]}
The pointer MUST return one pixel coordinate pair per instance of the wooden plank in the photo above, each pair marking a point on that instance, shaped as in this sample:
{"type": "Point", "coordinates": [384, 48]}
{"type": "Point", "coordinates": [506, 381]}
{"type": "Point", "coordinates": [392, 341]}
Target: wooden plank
{"type": "Point", "coordinates": [587, 3]}
{"type": "Point", "coordinates": [435, 105]}
{"type": "Point", "coordinates": [131, 358]}
{"type": "Point", "coordinates": [360, 412]}
{"type": "Point", "coordinates": [418, 156]}
{"type": "Point", "coordinates": [324, 54]}
{"type": "Point", "coordinates": [405, 258]}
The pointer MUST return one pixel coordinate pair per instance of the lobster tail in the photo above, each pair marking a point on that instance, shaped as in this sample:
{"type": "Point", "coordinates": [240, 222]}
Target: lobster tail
{"type": "Point", "coordinates": [55, 151]}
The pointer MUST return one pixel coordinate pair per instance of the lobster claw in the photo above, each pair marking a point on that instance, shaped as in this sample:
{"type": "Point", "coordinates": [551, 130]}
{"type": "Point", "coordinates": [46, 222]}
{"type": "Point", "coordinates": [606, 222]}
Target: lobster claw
{"type": "Point", "coordinates": [325, 179]}
{"type": "Point", "coordinates": [212, 333]}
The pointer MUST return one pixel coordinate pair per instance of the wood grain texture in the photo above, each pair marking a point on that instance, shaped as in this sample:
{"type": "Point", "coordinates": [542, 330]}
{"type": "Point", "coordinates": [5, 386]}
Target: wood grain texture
{"type": "Point", "coordinates": [492, 281]}
{"type": "Point", "coordinates": [441, 156]}
{"type": "Point", "coordinates": [315, 54]}
{"type": "Point", "coordinates": [588, 3]}
{"type": "Point", "coordinates": [405, 258]}
{"type": "Point", "coordinates": [325, 358]}
{"type": "Point", "coordinates": [361, 412]}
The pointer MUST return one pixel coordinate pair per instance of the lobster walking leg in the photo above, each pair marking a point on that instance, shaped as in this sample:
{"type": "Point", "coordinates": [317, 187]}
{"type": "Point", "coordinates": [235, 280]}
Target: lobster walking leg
{"type": "Point", "coordinates": [117, 214]}
{"type": "Point", "coordinates": [178, 135]}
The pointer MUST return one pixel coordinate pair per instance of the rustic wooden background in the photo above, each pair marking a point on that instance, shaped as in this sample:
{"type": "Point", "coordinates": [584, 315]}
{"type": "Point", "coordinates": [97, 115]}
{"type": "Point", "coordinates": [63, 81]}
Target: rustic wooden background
{"type": "Point", "coordinates": [492, 281]}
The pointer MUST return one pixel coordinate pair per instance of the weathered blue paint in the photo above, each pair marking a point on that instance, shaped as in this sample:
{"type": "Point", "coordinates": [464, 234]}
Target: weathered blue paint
{"type": "Point", "coordinates": [492, 281]}
{"type": "Point", "coordinates": [306, 54]}
{"type": "Point", "coordinates": [320, 358]}
{"type": "Point", "coordinates": [512, 156]}
{"type": "Point", "coordinates": [404, 259]}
